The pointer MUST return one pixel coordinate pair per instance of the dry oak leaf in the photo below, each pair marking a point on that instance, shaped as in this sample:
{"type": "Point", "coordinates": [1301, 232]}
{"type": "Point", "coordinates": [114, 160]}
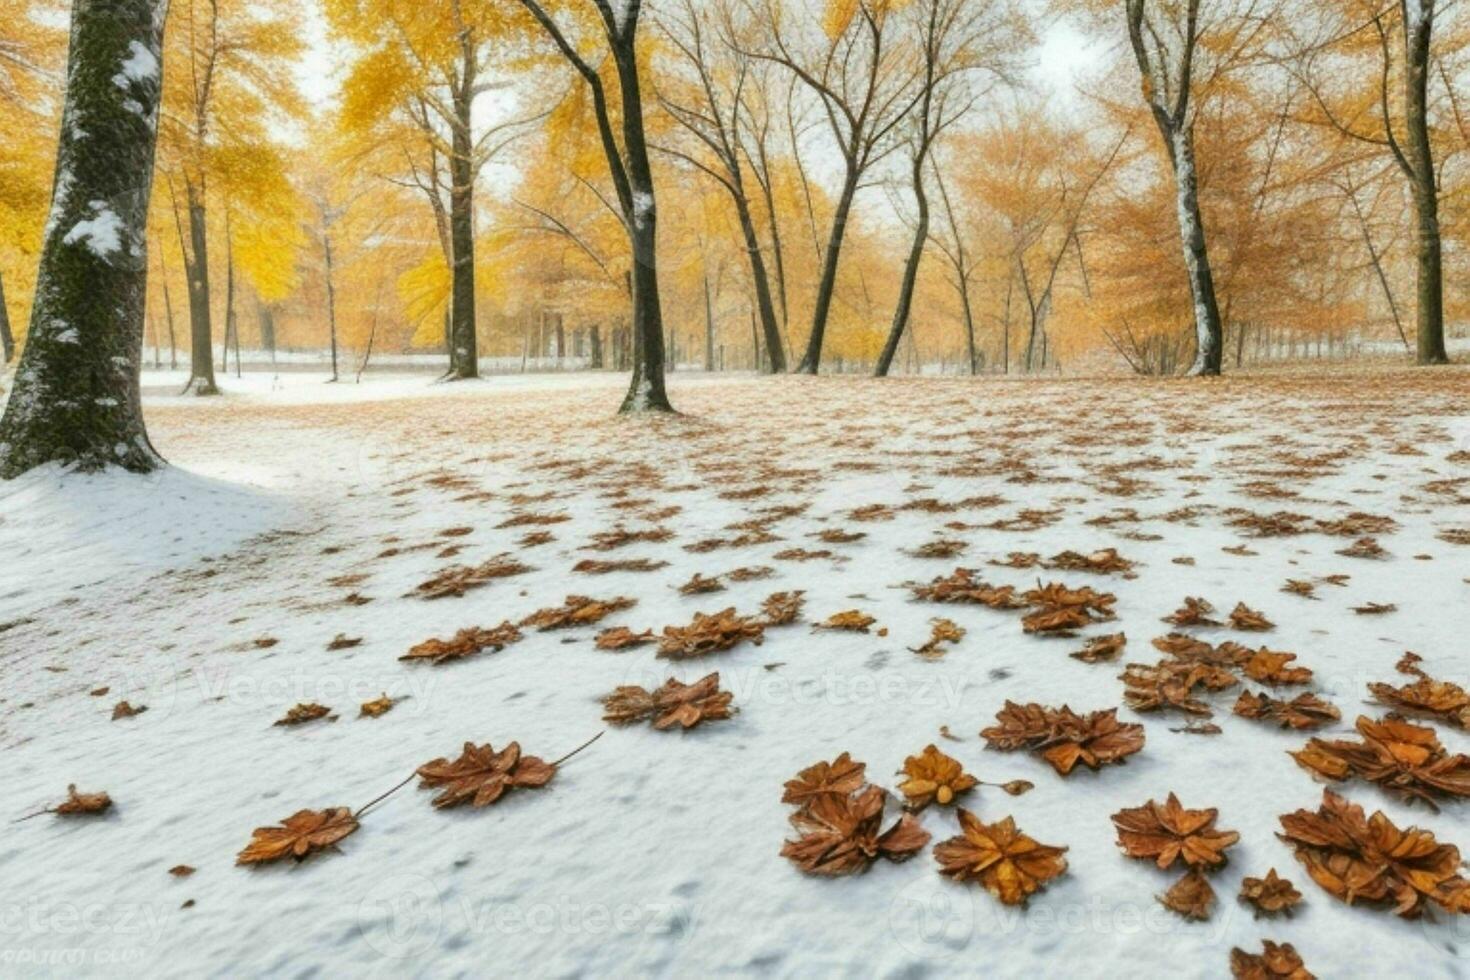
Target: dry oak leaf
{"type": "Point", "coordinates": [1191, 897]}
{"type": "Point", "coordinates": [579, 610]}
{"type": "Point", "coordinates": [591, 566]}
{"type": "Point", "coordinates": [1275, 962]}
{"type": "Point", "coordinates": [299, 835]}
{"type": "Point", "coordinates": [1102, 649]}
{"type": "Point", "coordinates": [303, 713]}
{"type": "Point", "coordinates": [1192, 650]}
{"type": "Point", "coordinates": [933, 777]}
{"type": "Point", "coordinates": [1405, 759]}
{"type": "Point", "coordinates": [709, 634]}
{"type": "Point", "coordinates": [1355, 859]}
{"type": "Point", "coordinates": [1172, 685]}
{"type": "Point", "coordinates": [963, 587]}
{"type": "Point", "coordinates": [853, 620]}
{"type": "Point", "coordinates": [783, 608]}
{"type": "Point", "coordinates": [82, 804]}
{"type": "Point", "coordinates": [672, 704]}
{"type": "Point", "coordinates": [622, 638]}
{"type": "Point", "coordinates": [1442, 700]}
{"type": "Point", "coordinates": [1104, 562]}
{"type": "Point", "coordinates": [942, 631]}
{"type": "Point", "coordinates": [1056, 619]}
{"type": "Point", "coordinates": [124, 709]}
{"type": "Point", "coordinates": [1303, 712]}
{"type": "Point", "coordinates": [1010, 865]}
{"type": "Point", "coordinates": [1243, 617]}
{"type": "Point", "coordinates": [459, 579]}
{"type": "Point", "coordinates": [840, 835]}
{"type": "Point", "coordinates": [465, 643]}
{"type": "Point", "coordinates": [1064, 738]}
{"type": "Point", "coordinates": [1055, 595]}
{"type": "Point", "coordinates": [699, 585]}
{"type": "Point", "coordinates": [1271, 667]}
{"type": "Point", "coordinates": [481, 775]}
{"type": "Point", "coordinates": [840, 777]}
{"type": "Point", "coordinates": [1167, 832]}
{"type": "Point", "coordinates": [1271, 895]}
{"type": "Point", "coordinates": [378, 707]}
{"type": "Point", "coordinates": [1194, 612]}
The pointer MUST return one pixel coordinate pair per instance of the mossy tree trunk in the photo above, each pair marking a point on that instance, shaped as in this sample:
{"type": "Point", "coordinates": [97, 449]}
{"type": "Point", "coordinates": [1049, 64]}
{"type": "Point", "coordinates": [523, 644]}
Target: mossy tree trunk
{"type": "Point", "coordinates": [76, 399]}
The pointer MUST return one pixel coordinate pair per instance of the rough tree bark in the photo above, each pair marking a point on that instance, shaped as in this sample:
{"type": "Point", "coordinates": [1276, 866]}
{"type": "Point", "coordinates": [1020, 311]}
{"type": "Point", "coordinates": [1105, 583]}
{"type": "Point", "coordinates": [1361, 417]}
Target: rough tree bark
{"type": "Point", "coordinates": [1417, 160]}
{"type": "Point", "coordinates": [1174, 117]}
{"type": "Point", "coordinates": [632, 176]}
{"type": "Point", "coordinates": [76, 399]}
{"type": "Point", "coordinates": [196, 270]}
{"type": "Point", "coordinates": [464, 359]}
{"type": "Point", "coordinates": [7, 339]}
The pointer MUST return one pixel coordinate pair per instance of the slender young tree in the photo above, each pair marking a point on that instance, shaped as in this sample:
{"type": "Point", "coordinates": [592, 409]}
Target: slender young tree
{"type": "Point", "coordinates": [1399, 124]}
{"type": "Point", "coordinates": [866, 85]}
{"type": "Point", "coordinates": [1165, 39]}
{"type": "Point", "coordinates": [632, 177]}
{"type": "Point", "coordinates": [7, 339]}
{"type": "Point", "coordinates": [956, 39]}
{"type": "Point", "coordinates": [76, 399]}
{"type": "Point", "coordinates": [708, 106]}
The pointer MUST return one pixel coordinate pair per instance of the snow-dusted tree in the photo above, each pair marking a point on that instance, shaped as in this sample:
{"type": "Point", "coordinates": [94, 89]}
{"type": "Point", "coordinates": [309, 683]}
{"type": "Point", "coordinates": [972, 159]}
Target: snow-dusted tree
{"type": "Point", "coordinates": [632, 173]}
{"type": "Point", "coordinates": [76, 399]}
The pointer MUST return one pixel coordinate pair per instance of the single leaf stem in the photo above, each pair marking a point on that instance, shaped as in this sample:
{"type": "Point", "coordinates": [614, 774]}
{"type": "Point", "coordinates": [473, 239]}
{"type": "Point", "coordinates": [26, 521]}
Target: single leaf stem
{"type": "Point", "coordinates": [579, 748]}
{"type": "Point", "coordinates": [368, 806]}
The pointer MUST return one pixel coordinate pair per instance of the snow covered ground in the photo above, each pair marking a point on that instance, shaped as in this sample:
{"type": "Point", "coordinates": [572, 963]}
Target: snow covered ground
{"type": "Point", "coordinates": [299, 512]}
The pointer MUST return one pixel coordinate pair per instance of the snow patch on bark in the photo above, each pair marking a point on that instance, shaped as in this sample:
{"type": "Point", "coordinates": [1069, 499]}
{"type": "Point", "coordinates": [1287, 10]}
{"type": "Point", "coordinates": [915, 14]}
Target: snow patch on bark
{"type": "Point", "coordinates": [102, 233]}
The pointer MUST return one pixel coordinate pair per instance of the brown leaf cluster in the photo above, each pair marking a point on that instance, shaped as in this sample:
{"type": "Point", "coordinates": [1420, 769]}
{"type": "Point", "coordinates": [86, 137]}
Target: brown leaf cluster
{"type": "Point", "coordinates": [1243, 617]}
{"type": "Point", "coordinates": [709, 634]}
{"type": "Point", "coordinates": [622, 638]}
{"type": "Point", "coordinates": [82, 804]}
{"type": "Point", "coordinates": [1303, 712]}
{"type": "Point", "coordinates": [1168, 833]}
{"type": "Point", "coordinates": [459, 579]}
{"type": "Point", "coordinates": [1441, 700]}
{"type": "Point", "coordinates": [1194, 612]}
{"type": "Point", "coordinates": [941, 631]}
{"type": "Point", "coordinates": [480, 775]}
{"type": "Point", "coordinates": [1060, 609]}
{"type": "Point", "coordinates": [1010, 865]}
{"type": "Point", "coordinates": [299, 835]}
{"type": "Point", "coordinates": [1173, 685]}
{"type": "Point", "coordinates": [465, 643]}
{"type": "Point", "coordinates": [1368, 859]}
{"type": "Point", "coordinates": [1270, 896]}
{"type": "Point", "coordinates": [852, 621]}
{"type": "Point", "coordinates": [841, 833]}
{"type": "Point", "coordinates": [592, 566]}
{"type": "Point", "coordinates": [672, 704]}
{"type": "Point", "coordinates": [1275, 962]}
{"type": "Point", "coordinates": [964, 587]}
{"type": "Point", "coordinates": [579, 610]}
{"type": "Point", "coordinates": [783, 608]}
{"type": "Point", "coordinates": [1064, 738]}
{"type": "Point", "coordinates": [933, 776]}
{"type": "Point", "coordinates": [302, 713]}
{"type": "Point", "coordinates": [1405, 759]}
{"type": "Point", "coordinates": [1102, 649]}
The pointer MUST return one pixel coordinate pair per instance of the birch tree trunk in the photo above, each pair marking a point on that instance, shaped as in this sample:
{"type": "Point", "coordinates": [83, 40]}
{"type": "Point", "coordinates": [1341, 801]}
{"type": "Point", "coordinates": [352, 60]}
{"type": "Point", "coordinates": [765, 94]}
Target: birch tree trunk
{"type": "Point", "coordinates": [76, 399]}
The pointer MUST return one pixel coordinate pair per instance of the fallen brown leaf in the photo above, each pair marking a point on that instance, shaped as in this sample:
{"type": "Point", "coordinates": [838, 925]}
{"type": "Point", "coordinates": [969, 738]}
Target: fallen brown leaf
{"type": "Point", "coordinates": [299, 835]}
{"type": "Point", "coordinates": [1010, 865]}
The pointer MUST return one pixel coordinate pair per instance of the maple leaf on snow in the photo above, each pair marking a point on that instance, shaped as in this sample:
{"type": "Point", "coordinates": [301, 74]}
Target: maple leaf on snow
{"type": "Point", "coordinates": [480, 776]}
{"type": "Point", "coordinates": [1168, 833]}
{"type": "Point", "coordinates": [298, 836]}
{"type": "Point", "coordinates": [840, 777]}
{"type": "Point", "coordinates": [1010, 865]}
{"type": "Point", "coordinates": [672, 704]}
{"type": "Point", "coordinates": [841, 835]}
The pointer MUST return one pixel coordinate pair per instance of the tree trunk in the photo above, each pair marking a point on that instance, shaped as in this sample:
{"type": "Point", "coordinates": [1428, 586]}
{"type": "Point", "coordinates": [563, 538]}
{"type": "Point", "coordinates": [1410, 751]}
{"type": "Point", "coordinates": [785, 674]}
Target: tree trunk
{"type": "Point", "coordinates": [910, 275]}
{"type": "Point", "coordinates": [709, 327]}
{"type": "Point", "coordinates": [232, 325]}
{"type": "Point", "coordinates": [776, 357]}
{"type": "Point", "coordinates": [76, 399]}
{"type": "Point", "coordinates": [267, 322]}
{"type": "Point", "coordinates": [168, 309]}
{"type": "Point", "coordinates": [1418, 31]}
{"type": "Point", "coordinates": [811, 362]}
{"type": "Point", "coordinates": [331, 299]}
{"type": "Point", "coordinates": [1209, 333]}
{"type": "Point", "coordinates": [464, 359]}
{"type": "Point", "coordinates": [595, 336]}
{"type": "Point", "coordinates": [201, 325]}
{"type": "Point", "coordinates": [646, 387]}
{"type": "Point", "coordinates": [7, 339]}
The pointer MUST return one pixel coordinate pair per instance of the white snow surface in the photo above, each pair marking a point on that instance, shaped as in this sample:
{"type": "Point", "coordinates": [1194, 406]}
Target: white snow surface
{"type": "Point", "coordinates": [656, 853]}
{"type": "Point", "coordinates": [103, 232]}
